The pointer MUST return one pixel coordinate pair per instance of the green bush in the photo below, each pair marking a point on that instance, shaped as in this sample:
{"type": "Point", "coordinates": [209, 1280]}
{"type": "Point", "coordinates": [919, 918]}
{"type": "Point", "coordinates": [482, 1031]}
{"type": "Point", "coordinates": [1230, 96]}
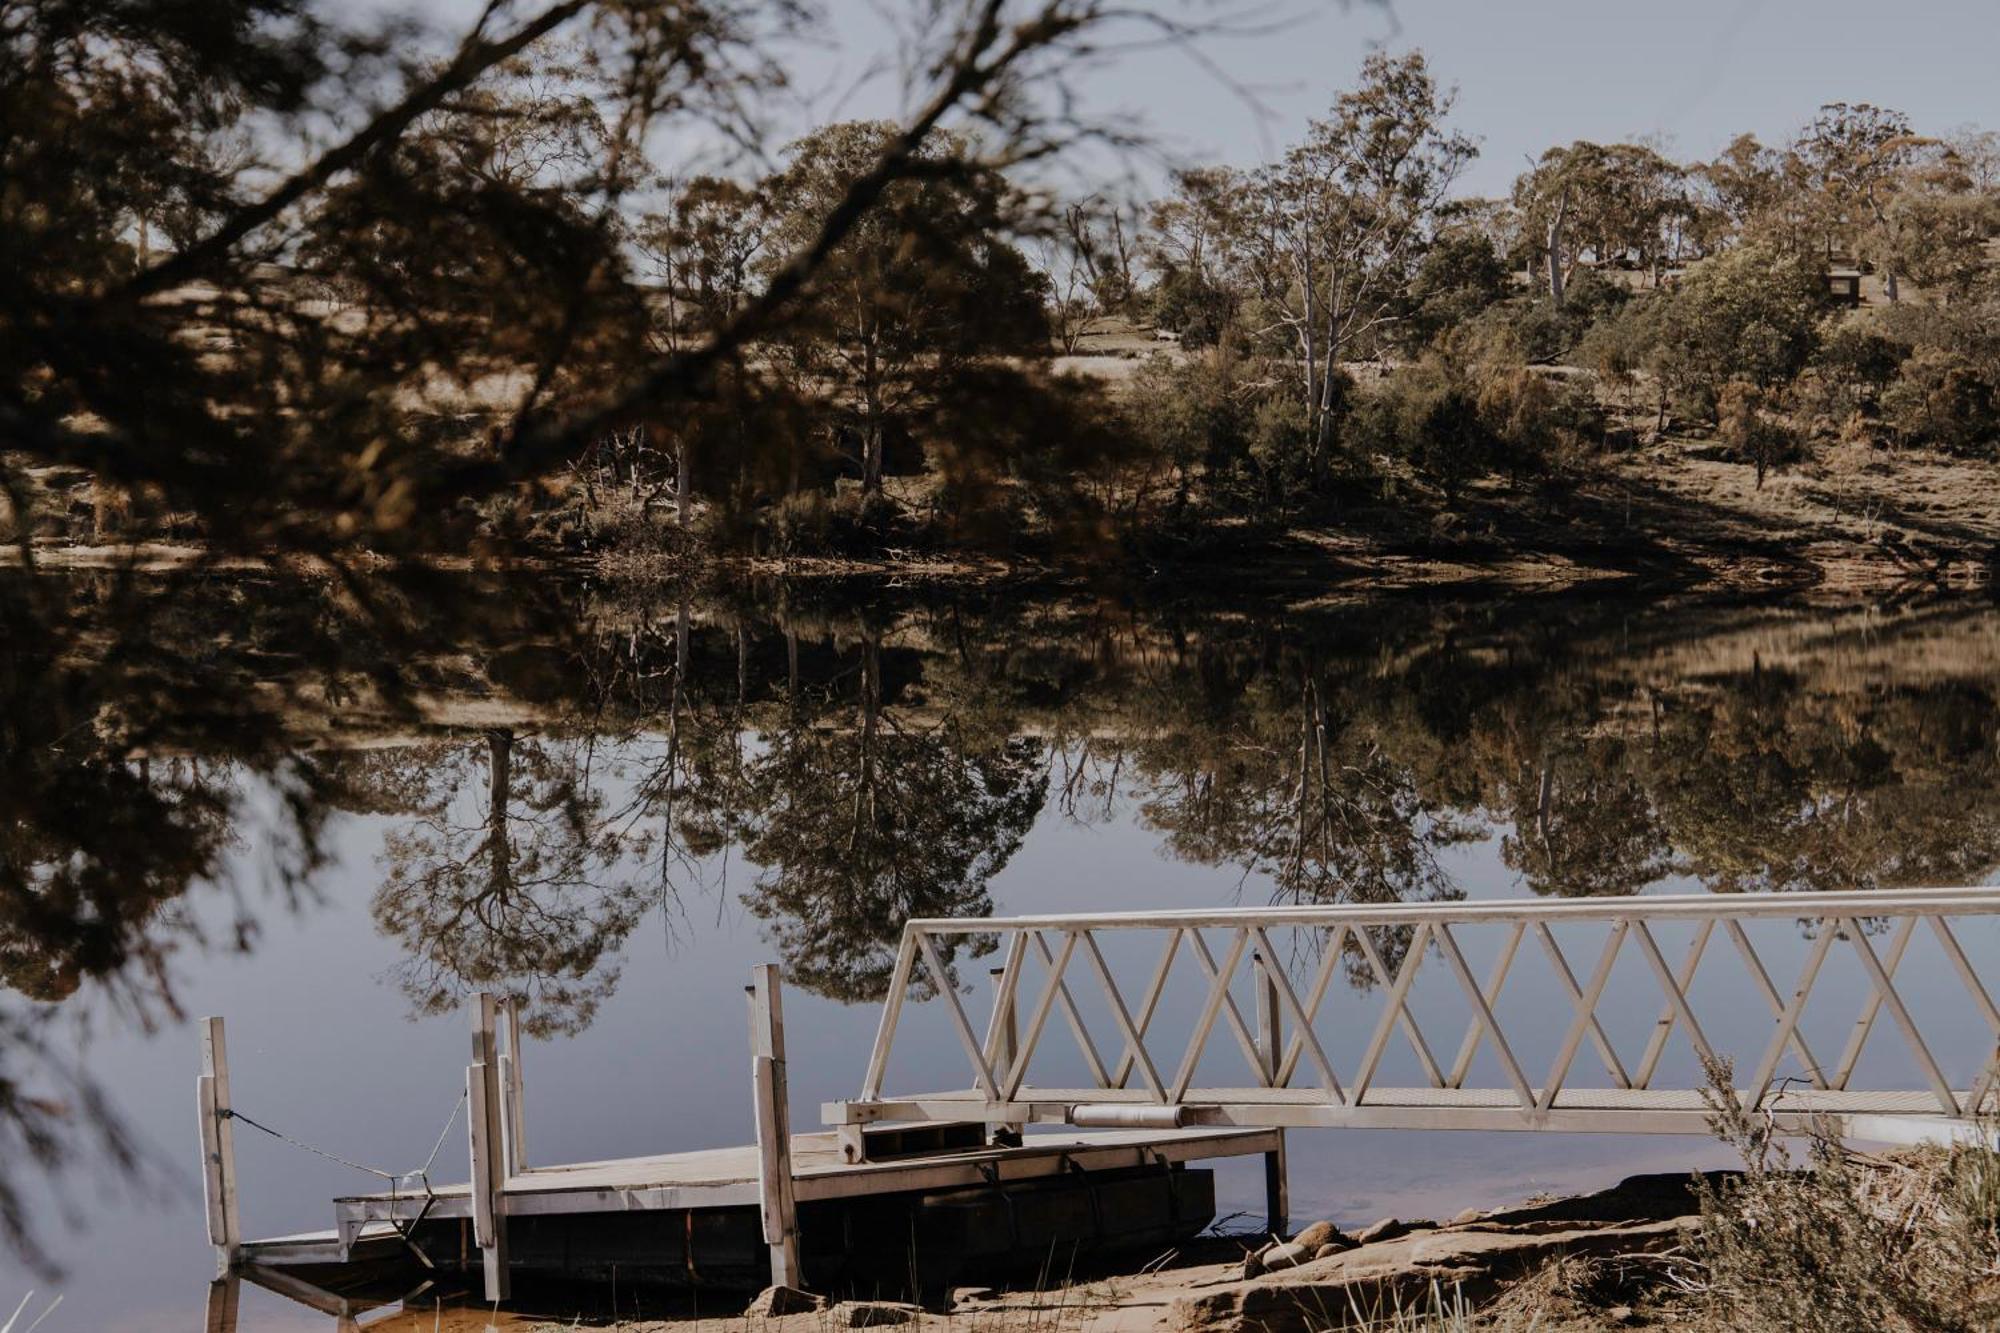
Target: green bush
{"type": "Point", "coordinates": [813, 523]}
{"type": "Point", "coordinates": [1461, 277]}
{"type": "Point", "coordinates": [1750, 313]}
{"type": "Point", "coordinates": [1198, 311]}
{"type": "Point", "coordinates": [1945, 400]}
{"type": "Point", "coordinates": [1758, 435]}
{"type": "Point", "coordinates": [1428, 416]}
{"type": "Point", "coordinates": [1195, 413]}
{"type": "Point", "coordinates": [1850, 370]}
{"type": "Point", "coordinates": [1542, 423]}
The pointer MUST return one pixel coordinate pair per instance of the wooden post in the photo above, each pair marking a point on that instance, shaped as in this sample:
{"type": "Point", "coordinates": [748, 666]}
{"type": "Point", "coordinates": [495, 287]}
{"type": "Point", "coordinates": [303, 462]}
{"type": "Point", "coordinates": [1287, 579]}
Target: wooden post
{"type": "Point", "coordinates": [1006, 1042]}
{"type": "Point", "coordinates": [515, 1122]}
{"type": "Point", "coordinates": [224, 1297]}
{"type": "Point", "coordinates": [776, 1200]}
{"type": "Point", "coordinates": [1270, 1054]}
{"type": "Point", "coordinates": [483, 1123]}
{"type": "Point", "coordinates": [218, 1148]}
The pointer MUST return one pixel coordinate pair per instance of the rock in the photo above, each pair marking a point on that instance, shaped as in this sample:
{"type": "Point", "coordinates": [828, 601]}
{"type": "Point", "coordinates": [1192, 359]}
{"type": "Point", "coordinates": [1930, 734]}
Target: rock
{"type": "Point", "coordinates": [1331, 1248]}
{"type": "Point", "coordinates": [1622, 1314]}
{"type": "Point", "coordinates": [1389, 1228]}
{"type": "Point", "coordinates": [1322, 1234]}
{"type": "Point", "coordinates": [1289, 1255]}
{"type": "Point", "coordinates": [1475, 1261]}
{"type": "Point", "coordinates": [874, 1314]}
{"type": "Point", "coordinates": [775, 1302]}
{"type": "Point", "coordinates": [1469, 1215]}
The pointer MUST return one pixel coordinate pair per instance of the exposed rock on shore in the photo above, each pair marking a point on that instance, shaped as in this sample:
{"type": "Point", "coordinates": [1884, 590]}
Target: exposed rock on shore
{"type": "Point", "coordinates": [1392, 1264]}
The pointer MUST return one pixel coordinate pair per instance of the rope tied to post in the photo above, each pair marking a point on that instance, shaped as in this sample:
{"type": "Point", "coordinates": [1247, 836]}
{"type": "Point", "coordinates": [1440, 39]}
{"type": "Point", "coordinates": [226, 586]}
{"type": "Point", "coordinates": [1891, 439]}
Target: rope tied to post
{"type": "Point", "coordinates": [421, 1174]}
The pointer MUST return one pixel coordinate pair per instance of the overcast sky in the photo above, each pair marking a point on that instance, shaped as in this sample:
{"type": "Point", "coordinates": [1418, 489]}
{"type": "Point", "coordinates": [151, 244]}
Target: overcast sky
{"type": "Point", "coordinates": [1532, 73]}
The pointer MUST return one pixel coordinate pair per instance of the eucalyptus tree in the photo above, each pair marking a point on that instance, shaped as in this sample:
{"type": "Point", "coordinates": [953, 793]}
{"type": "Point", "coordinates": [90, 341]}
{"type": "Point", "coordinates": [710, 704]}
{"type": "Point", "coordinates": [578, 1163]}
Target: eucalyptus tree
{"type": "Point", "coordinates": [702, 250]}
{"type": "Point", "coordinates": [1843, 159]}
{"type": "Point", "coordinates": [1744, 187]}
{"type": "Point", "coordinates": [1088, 251]}
{"type": "Point", "coordinates": [927, 285]}
{"type": "Point", "coordinates": [1609, 202]}
{"type": "Point", "coordinates": [1329, 236]}
{"type": "Point", "coordinates": [1187, 249]}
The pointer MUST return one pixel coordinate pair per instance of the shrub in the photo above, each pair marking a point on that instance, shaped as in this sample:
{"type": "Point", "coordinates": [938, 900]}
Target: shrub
{"type": "Point", "coordinates": [1906, 1243]}
{"type": "Point", "coordinates": [1758, 436]}
{"type": "Point", "coordinates": [1199, 311]}
{"type": "Point", "coordinates": [1429, 416]}
{"type": "Point", "coordinates": [1460, 277]}
{"type": "Point", "coordinates": [1853, 365]}
{"type": "Point", "coordinates": [815, 523]}
{"type": "Point", "coordinates": [1195, 413]}
{"type": "Point", "coordinates": [1280, 446]}
{"type": "Point", "coordinates": [1750, 313]}
{"type": "Point", "coordinates": [1541, 423]}
{"type": "Point", "coordinates": [1944, 400]}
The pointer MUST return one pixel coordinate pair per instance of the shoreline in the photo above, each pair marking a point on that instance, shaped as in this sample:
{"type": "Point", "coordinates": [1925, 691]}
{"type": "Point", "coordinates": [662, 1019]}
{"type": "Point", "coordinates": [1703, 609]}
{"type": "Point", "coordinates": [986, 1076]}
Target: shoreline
{"type": "Point", "coordinates": [1669, 520]}
{"type": "Point", "coordinates": [1521, 1261]}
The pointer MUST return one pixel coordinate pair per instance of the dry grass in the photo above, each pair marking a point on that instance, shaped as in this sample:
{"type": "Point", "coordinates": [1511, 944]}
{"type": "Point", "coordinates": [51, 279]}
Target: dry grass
{"type": "Point", "coordinates": [1848, 1241]}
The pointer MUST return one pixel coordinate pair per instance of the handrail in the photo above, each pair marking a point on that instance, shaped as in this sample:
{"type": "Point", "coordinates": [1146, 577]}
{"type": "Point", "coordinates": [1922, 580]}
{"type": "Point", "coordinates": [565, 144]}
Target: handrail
{"type": "Point", "coordinates": [1977, 900]}
{"type": "Point", "coordinates": [999, 1070]}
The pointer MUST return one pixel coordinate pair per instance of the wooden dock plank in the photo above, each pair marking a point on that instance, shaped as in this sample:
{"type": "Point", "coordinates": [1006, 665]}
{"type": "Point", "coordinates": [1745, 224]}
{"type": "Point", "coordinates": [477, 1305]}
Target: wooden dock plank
{"type": "Point", "coordinates": [822, 1172]}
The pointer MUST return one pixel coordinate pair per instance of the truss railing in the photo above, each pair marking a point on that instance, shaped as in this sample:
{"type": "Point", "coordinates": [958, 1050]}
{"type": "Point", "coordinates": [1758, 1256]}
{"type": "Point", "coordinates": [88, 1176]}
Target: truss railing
{"type": "Point", "coordinates": [1291, 1079]}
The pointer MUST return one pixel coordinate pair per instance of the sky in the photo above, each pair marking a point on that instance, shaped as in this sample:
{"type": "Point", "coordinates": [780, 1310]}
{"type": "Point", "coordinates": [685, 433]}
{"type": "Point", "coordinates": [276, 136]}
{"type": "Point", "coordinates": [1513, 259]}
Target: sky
{"type": "Point", "coordinates": [1533, 73]}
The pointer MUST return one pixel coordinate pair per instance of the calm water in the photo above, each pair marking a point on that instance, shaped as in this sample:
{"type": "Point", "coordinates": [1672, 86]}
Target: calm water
{"type": "Point", "coordinates": [330, 818]}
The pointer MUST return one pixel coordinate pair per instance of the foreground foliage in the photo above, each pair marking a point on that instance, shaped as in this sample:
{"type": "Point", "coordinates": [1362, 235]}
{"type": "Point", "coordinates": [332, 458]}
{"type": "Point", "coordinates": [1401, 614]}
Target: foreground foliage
{"type": "Point", "coordinates": [1847, 1242]}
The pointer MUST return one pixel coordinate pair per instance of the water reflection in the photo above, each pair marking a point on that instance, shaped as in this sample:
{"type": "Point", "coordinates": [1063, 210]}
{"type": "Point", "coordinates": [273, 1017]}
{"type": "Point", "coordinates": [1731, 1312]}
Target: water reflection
{"type": "Point", "coordinates": [555, 760]}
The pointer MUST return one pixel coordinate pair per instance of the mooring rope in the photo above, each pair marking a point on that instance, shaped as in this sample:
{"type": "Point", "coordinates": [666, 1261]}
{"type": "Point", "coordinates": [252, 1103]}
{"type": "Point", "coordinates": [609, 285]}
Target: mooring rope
{"type": "Point", "coordinates": [231, 1113]}
{"type": "Point", "coordinates": [421, 1173]}
{"type": "Point", "coordinates": [395, 1179]}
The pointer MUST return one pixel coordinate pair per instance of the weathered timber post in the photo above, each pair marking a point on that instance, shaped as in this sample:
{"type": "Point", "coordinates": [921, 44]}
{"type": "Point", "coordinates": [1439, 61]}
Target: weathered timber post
{"type": "Point", "coordinates": [483, 1120]}
{"type": "Point", "coordinates": [1003, 1039]}
{"type": "Point", "coordinates": [224, 1297]}
{"type": "Point", "coordinates": [218, 1148]}
{"type": "Point", "coordinates": [1270, 1054]}
{"type": "Point", "coordinates": [777, 1203]}
{"type": "Point", "coordinates": [514, 1123]}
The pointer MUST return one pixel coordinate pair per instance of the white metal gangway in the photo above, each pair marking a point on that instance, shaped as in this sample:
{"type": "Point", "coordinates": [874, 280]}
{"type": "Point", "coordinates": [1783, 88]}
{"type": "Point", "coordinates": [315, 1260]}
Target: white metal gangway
{"type": "Point", "coordinates": [1315, 1050]}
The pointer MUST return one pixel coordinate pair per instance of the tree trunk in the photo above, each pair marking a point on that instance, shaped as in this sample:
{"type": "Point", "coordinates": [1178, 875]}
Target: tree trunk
{"type": "Point", "coordinates": [1555, 248]}
{"type": "Point", "coordinates": [871, 430]}
{"type": "Point", "coordinates": [684, 482]}
{"type": "Point", "coordinates": [1543, 799]}
{"type": "Point", "coordinates": [1323, 410]}
{"type": "Point", "coordinates": [499, 787]}
{"type": "Point", "coordinates": [871, 458]}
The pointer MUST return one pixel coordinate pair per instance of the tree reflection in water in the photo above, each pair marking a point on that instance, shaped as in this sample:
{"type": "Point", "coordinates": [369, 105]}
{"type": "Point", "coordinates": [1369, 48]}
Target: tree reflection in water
{"type": "Point", "coordinates": [552, 763]}
{"type": "Point", "coordinates": [861, 820]}
{"type": "Point", "coordinates": [521, 898]}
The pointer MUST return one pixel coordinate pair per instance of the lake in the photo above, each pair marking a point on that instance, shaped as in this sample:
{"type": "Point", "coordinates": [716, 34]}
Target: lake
{"type": "Point", "coordinates": [331, 810]}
